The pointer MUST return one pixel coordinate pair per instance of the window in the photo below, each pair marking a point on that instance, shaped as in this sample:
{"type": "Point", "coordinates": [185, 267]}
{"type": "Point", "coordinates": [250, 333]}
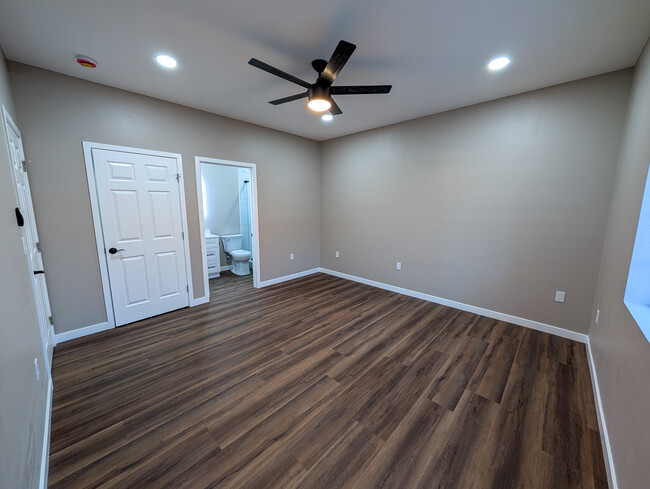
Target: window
{"type": "Point", "coordinates": [637, 291]}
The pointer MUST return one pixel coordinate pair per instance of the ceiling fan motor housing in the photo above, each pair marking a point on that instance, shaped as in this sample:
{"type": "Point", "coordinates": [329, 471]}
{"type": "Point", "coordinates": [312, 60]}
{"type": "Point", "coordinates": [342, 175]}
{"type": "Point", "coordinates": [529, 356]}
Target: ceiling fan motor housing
{"type": "Point", "coordinates": [316, 91]}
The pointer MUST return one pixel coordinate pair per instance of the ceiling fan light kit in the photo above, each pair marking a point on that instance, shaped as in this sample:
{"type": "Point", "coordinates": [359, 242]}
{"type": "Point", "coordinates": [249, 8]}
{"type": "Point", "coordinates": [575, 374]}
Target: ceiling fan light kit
{"type": "Point", "coordinates": [319, 100]}
{"type": "Point", "coordinates": [319, 94]}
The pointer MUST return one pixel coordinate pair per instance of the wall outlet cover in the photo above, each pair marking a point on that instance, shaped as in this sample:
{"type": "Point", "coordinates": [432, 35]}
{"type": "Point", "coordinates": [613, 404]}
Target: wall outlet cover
{"type": "Point", "coordinates": [399, 265]}
{"type": "Point", "coordinates": [559, 296]}
{"type": "Point", "coordinates": [338, 255]}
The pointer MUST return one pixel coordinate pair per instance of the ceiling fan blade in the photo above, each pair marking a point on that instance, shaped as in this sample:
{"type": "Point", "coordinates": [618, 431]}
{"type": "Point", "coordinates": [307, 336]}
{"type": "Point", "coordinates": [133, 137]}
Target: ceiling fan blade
{"type": "Point", "coordinates": [360, 89]}
{"type": "Point", "coordinates": [274, 71]}
{"type": "Point", "coordinates": [336, 63]}
{"type": "Point", "coordinates": [335, 109]}
{"type": "Point", "coordinates": [288, 99]}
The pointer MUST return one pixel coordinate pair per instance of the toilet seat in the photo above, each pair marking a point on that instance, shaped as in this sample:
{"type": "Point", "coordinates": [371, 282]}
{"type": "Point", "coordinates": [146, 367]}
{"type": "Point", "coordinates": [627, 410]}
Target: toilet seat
{"type": "Point", "coordinates": [242, 254]}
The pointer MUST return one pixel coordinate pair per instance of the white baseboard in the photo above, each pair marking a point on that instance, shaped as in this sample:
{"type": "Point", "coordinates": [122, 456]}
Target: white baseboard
{"type": "Point", "coordinates": [45, 454]}
{"type": "Point", "coordinates": [225, 268]}
{"type": "Point", "coordinates": [78, 333]}
{"type": "Point", "coordinates": [199, 300]}
{"type": "Point", "coordinates": [528, 323]}
{"type": "Point", "coordinates": [286, 278]}
{"type": "Point", "coordinates": [602, 426]}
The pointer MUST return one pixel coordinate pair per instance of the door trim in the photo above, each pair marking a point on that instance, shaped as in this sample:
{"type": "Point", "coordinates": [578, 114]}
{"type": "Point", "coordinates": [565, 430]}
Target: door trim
{"type": "Point", "coordinates": [88, 146]}
{"type": "Point", "coordinates": [254, 218]}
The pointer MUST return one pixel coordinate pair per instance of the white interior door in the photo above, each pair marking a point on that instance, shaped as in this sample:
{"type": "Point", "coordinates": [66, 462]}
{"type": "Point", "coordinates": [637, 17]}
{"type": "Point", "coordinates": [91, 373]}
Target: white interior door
{"type": "Point", "coordinates": [140, 209]}
{"type": "Point", "coordinates": [29, 236]}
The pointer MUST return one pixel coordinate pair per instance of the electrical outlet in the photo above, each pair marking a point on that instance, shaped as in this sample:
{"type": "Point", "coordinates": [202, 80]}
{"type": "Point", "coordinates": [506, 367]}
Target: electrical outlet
{"type": "Point", "coordinates": [290, 256]}
{"type": "Point", "coordinates": [36, 371]}
{"type": "Point", "coordinates": [399, 265]}
{"type": "Point", "coordinates": [597, 315]}
{"type": "Point", "coordinates": [338, 255]}
{"type": "Point", "coordinates": [559, 296]}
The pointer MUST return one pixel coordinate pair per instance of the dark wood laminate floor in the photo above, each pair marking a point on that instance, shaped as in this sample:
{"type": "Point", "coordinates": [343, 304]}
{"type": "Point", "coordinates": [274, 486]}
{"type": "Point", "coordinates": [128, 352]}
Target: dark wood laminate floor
{"type": "Point", "coordinates": [322, 383]}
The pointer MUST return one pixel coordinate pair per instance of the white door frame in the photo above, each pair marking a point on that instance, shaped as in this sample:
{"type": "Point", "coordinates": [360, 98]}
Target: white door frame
{"type": "Point", "coordinates": [88, 146]}
{"type": "Point", "coordinates": [254, 220]}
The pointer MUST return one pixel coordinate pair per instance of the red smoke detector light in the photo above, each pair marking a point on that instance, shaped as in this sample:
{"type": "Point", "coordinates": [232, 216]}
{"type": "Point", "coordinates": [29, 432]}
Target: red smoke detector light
{"type": "Point", "coordinates": [86, 62]}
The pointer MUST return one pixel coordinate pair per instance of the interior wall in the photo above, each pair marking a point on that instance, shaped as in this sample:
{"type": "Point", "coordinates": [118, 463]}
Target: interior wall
{"type": "Point", "coordinates": [621, 353]}
{"type": "Point", "coordinates": [22, 397]}
{"type": "Point", "coordinates": [497, 205]}
{"type": "Point", "coordinates": [222, 198]}
{"type": "Point", "coordinates": [57, 112]}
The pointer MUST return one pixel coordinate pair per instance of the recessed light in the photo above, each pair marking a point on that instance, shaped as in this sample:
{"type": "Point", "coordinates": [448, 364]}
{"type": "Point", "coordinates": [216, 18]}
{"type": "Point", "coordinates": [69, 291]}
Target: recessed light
{"type": "Point", "coordinates": [499, 63]}
{"type": "Point", "coordinates": [166, 61]}
{"type": "Point", "coordinates": [327, 117]}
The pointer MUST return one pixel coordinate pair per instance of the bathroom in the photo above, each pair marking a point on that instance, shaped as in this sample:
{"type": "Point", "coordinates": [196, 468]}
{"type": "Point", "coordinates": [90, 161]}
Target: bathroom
{"type": "Point", "coordinates": [227, 217]}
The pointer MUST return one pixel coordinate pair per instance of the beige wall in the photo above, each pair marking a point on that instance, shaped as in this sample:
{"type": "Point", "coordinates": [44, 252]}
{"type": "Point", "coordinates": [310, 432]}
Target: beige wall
{"type": "Point", "coordinates": [56, 113]}
{"type": "Point", "coordinates": [222, 198]}
{"type": "Point", "coordinates": [620, 350]}
{"type": "Point", "coordinates": [496, 205]}
{"type": "Point", "coordinates": [22, 398]}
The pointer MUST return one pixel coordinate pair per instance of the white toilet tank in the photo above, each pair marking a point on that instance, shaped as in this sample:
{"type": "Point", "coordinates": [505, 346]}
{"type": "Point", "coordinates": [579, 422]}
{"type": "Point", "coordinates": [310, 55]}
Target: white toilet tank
{"type": "Point", "coordinates": [232, 242]}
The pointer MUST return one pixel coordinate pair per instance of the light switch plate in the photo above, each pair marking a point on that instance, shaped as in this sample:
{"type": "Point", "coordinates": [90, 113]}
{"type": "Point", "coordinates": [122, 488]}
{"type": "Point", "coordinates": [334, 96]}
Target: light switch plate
{"type": "Point", "coordinates": [559, 296]}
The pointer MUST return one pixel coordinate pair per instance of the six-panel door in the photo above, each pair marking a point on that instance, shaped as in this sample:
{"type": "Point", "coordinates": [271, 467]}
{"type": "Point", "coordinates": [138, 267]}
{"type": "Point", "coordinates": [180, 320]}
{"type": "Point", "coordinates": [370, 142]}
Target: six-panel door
{"type": "Point", "coordinates": [139, 201]}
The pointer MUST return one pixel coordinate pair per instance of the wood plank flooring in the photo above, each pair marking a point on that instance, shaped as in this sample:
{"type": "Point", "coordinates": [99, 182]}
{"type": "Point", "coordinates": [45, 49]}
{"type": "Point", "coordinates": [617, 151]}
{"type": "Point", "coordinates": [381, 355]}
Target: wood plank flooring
{"type": "Point", "coordinates": [322, 383]}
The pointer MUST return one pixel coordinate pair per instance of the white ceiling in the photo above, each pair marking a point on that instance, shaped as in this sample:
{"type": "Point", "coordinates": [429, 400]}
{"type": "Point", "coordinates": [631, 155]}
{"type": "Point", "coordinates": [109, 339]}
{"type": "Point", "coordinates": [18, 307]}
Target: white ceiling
{"type": "Point", "coordinates": [433, 52]}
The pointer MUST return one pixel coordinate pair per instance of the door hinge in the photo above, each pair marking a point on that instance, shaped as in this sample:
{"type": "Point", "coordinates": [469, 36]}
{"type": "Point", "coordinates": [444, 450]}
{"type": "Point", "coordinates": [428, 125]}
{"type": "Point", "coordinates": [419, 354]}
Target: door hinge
{"type": "Point", "coordinates": [24, 164]}
{"type": "Point", "coordinates": [188, 288]}
{"type": "Point", "coordinates": [183, 234]}
{"type": "Point", "coordinates": [38, 246]}
{"type": "Point", "coordinates": [178, 177]}
{"type": "Point", "coordinates": [51, 320]}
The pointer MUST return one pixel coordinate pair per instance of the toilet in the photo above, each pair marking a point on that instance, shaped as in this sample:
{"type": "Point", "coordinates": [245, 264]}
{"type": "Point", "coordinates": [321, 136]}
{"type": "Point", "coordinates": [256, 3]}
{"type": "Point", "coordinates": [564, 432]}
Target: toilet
{"type": "Point", "coordinates": [232, 245]}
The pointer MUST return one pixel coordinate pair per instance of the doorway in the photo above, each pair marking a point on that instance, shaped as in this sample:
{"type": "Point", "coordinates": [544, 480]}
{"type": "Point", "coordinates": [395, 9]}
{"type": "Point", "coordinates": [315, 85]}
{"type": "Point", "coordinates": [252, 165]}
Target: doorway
{"type": "Point", "coordinates": [138, 205]}
{"type": "Point", "coordinates": [244, 198]}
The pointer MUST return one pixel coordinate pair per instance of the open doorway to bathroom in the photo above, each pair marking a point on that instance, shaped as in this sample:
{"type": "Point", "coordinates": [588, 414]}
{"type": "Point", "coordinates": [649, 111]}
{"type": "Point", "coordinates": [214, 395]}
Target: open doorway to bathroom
{"type": "Point", "coordinates": [227, 205]}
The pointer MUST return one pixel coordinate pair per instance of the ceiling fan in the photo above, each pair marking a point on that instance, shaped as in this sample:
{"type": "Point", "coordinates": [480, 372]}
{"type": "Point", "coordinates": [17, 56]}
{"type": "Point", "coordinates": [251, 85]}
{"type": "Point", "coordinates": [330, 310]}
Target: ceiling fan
{"type": "Point", "coordinates": [320, 93]}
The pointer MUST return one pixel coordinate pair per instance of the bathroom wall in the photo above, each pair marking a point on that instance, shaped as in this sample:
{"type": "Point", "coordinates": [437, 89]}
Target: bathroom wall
{"type": "Point", "coordinates": [243, 176]}
{"type": "Point", "coordinates": [221, 198]}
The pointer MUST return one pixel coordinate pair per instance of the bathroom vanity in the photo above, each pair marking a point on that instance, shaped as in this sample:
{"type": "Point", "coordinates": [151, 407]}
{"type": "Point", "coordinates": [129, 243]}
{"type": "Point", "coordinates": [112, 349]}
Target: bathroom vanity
{"type": "Point", "coordinates": [212, 254]}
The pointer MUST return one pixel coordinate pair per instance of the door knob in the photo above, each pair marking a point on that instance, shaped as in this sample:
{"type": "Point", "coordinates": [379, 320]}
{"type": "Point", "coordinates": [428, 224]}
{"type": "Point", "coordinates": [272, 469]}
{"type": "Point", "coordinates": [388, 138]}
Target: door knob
{"type": "Point", "coordinates": [112, 251]}
{"type": "Point", "coordinates": [20, 220]}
